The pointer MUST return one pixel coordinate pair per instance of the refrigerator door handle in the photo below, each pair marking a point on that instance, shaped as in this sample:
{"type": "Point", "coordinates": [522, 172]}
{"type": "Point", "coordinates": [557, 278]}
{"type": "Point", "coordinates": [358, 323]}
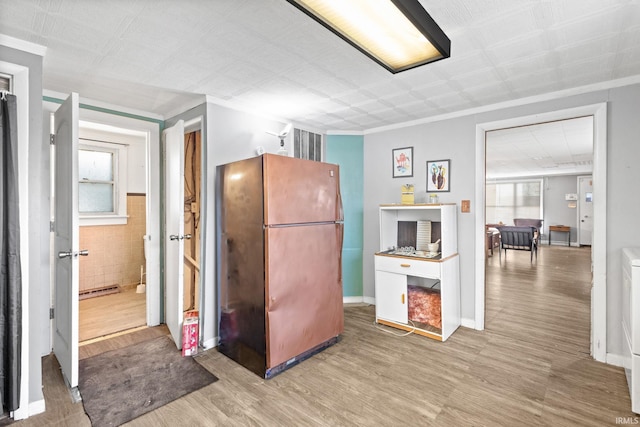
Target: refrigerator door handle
{"type": "Point", "coordinates": [339, 208]}
{"type": "Point", "coordinates": [224, 274]}
{"type": "Point", "coordinates": [340, 232]}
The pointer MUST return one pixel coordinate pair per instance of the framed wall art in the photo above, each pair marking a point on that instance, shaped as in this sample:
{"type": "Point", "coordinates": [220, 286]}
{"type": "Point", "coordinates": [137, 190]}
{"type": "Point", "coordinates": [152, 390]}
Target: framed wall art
{"type": "Point", "coordinates": [402, 159]}
{"type": "Point", "coordinates": [438, 175]}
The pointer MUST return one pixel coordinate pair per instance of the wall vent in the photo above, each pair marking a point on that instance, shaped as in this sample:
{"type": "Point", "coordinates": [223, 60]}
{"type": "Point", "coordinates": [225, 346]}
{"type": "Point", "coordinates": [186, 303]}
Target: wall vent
{"type": "Point", "coordinates": [307, 145]}
{"type": "Point", "coordinates": [98, 292]}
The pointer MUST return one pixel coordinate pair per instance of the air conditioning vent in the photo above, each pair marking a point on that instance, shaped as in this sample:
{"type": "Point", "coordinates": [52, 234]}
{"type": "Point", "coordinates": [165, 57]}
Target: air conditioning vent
{"type": "Point", "coordinates": [307, 145]}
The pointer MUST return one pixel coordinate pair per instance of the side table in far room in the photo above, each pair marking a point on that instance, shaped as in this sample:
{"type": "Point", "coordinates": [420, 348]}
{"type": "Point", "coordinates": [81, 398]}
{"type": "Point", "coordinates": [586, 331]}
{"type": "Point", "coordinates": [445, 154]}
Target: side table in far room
{"type": "Point", "coordinates": [560, 229]}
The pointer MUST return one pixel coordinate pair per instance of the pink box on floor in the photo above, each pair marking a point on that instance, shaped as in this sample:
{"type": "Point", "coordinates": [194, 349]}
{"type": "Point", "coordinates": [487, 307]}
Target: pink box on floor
{"type": "Point", "coordinates": [190, 333]}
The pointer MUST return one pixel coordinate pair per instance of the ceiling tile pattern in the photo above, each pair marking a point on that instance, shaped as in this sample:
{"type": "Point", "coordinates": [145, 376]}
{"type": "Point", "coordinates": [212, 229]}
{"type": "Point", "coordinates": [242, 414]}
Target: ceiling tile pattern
{"type": "Point", "coordinates": [557, 148]}
{"type": "Point", "coordinates": [268, 57]}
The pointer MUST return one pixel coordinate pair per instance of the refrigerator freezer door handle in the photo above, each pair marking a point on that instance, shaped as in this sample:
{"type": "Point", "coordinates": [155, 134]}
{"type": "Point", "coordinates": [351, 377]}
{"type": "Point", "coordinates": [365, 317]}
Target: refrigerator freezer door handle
{"type": "Point", "coordinates": [340, 213]}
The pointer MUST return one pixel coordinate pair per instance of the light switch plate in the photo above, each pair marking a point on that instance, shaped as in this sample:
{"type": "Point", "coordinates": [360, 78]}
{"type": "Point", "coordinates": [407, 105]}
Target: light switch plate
{"type": "Point", "coordinates": [465, 206]}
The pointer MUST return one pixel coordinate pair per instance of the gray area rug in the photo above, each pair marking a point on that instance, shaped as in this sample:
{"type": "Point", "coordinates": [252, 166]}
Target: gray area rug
{"type": "Point", "coordinates": [120, 385]}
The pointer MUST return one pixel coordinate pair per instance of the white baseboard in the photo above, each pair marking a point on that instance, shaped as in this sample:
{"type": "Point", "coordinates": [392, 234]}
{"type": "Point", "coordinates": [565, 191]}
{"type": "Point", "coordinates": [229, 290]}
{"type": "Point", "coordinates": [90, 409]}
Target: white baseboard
{"type": "Point", "coordinates": [615, 360]}
{"type": "Point", "coordinates": [468, 323]}
{"type": "Point", "coordinates": [369, 300]}
{"type": "Point", "coordinates": [210, 343]}
{"type": "Point", "coordinates": [19, 414]}
{"type": "Point", "coordinates": [558, 243]}
{"type": "Point", "coordinates": [352, 300]}
{"type": "Point", "coordinates": [36, 407]}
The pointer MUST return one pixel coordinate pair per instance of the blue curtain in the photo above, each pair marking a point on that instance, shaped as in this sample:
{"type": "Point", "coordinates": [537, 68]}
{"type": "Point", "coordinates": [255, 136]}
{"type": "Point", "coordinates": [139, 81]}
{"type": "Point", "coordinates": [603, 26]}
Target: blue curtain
{"type": "Point", "coordinates": [10, 273]}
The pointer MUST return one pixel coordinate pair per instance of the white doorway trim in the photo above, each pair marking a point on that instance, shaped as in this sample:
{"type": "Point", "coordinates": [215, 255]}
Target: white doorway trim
{"type": "Point", "coordinates": [21, 91]}
{"type": "Point", "coordinates": [194, 125]}
{"type": "Point", "coordinates": [579, 210]}
{"type": "Point", "coordinates": [599, 288]}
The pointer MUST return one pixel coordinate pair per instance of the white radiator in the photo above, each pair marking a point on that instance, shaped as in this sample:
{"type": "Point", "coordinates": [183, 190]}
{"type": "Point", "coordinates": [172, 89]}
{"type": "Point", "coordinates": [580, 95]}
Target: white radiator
{"type": "Point", "coordinates": [631, 322]}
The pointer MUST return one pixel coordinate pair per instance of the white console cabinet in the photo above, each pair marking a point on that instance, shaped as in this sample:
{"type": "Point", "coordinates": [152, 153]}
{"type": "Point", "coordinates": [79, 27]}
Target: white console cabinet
{"type": "Point", "coordinates": [631, 322]}
{"type": "Point", "coordinates": [415, 290]}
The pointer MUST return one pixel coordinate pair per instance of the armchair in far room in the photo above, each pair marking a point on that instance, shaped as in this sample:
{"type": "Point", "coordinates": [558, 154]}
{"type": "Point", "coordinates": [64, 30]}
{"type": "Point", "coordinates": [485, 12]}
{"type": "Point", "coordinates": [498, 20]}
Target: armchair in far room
{"type": "Point", "coordinates": [530, 222]}
{"type": "Point", "coordinates": [520, 239]}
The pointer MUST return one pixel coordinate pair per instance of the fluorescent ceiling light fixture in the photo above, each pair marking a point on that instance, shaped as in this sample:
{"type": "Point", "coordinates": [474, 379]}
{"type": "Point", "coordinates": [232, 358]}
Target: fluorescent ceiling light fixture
{"type": "Point", "coordinates": [397, 34]}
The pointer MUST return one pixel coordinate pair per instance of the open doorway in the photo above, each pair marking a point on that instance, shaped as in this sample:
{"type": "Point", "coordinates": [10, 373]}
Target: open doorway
{"type": "Point", "coordinates": [112, 173]}
{"type": "Point", "coordinates": [64, 226]}
{"type": "Point", "coordinates": [192, 223]}
{"type": "Point", "coordinates": [598, 289]}
{"type": "Point", "coordinates": [183, 228]}
{"type": "Point", "coordinates": [65, 255]}
{"type": "Point", "coordinates": [531, 173]}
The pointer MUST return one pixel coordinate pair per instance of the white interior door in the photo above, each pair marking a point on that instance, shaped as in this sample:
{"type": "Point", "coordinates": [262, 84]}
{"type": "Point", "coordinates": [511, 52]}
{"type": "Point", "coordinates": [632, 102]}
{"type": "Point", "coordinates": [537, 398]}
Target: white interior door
{"type": "Point", "coordinates": [174, 229]}
{"type": "Point", "coordinates": [585, 210]}
{"type": "Point", "coordinates": [65, 321]}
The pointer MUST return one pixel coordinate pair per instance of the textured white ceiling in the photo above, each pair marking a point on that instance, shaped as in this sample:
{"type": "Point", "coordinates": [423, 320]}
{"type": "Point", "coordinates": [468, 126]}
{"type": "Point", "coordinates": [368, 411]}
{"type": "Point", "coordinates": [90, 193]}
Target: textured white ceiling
{"type": "Point", "coordinates": [266, 56]}
{"type": "Point", "coordinates": [555, 148]}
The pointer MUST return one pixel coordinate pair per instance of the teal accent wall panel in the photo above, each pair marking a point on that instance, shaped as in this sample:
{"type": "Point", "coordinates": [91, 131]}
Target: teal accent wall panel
{"type": "Point", "coordinates": [352, 272]}
{"type": "Point", "coordinates": [347, 151]}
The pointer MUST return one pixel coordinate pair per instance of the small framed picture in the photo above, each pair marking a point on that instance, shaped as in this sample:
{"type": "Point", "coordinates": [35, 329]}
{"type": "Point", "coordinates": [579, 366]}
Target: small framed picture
{"type": "Point", "coordinates": [402, 159]}
{"type": "Point", "coordinates": [438, 175]}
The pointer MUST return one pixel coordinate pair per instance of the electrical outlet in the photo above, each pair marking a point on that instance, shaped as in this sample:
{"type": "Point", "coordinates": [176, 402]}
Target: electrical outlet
{"type": "Point", "coordinates": [466, 206]}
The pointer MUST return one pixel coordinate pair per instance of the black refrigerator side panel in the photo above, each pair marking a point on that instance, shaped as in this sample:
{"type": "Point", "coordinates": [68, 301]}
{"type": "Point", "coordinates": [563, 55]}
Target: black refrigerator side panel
{"type": "Point", "coordinates": [240, 260]}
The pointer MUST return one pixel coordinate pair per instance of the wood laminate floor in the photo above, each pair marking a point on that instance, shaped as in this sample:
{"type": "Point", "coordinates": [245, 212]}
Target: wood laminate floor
{"type": "Point", "coordinates": [108, 314]}
{"type": "Point", "coordinates": [530, 367]}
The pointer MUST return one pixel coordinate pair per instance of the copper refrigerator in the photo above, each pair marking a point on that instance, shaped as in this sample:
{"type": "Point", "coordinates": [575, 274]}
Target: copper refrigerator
{"type": "Point", "coordinates": [279, 256]}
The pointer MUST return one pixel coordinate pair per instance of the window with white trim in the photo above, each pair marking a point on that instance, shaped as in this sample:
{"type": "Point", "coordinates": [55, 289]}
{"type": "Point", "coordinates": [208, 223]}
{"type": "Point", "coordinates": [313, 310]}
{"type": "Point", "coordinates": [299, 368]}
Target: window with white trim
{"type": "Point", "coordinates": [506, 200]}
{"type": "Point", "coordinates": [102, 193]}
{"type": "Point", "coordinates": [5, 83]}
{"type": "Point", "coordinates": [307, 145]}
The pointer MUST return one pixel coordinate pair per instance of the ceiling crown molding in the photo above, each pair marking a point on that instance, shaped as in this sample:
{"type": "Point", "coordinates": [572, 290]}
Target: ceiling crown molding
{"type": "Point", "coordinates": [22, 45]}
{"type": "Point", "coordinates": [606, 85]}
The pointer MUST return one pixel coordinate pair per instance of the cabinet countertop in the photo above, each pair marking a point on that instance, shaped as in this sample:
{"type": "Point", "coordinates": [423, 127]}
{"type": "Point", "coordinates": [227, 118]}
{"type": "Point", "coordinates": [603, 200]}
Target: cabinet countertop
{"type": "Point", "coordinates": [420, 205]}
{"type": "Point", "coordinates": [416, 257]}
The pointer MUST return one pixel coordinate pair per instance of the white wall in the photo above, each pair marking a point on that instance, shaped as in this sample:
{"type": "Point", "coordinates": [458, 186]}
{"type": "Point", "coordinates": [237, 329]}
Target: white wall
{"type": "Point", "coordinates": [136, 172]}
{"type": "Point", "coordinates": [556, 208]}
{"type": "Point", "coordinates": [455, 139]}
{"type": "Point", "coordinates": [136, 154]}
{"type": "Point", "coordinates": [452, 139]}
{"type": "Point", "coordinates": [623, 208]}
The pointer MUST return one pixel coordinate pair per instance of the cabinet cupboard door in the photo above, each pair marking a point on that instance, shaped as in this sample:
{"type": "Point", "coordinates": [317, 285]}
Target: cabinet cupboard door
{"type": "Point", "coordinates": [391, 296]}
